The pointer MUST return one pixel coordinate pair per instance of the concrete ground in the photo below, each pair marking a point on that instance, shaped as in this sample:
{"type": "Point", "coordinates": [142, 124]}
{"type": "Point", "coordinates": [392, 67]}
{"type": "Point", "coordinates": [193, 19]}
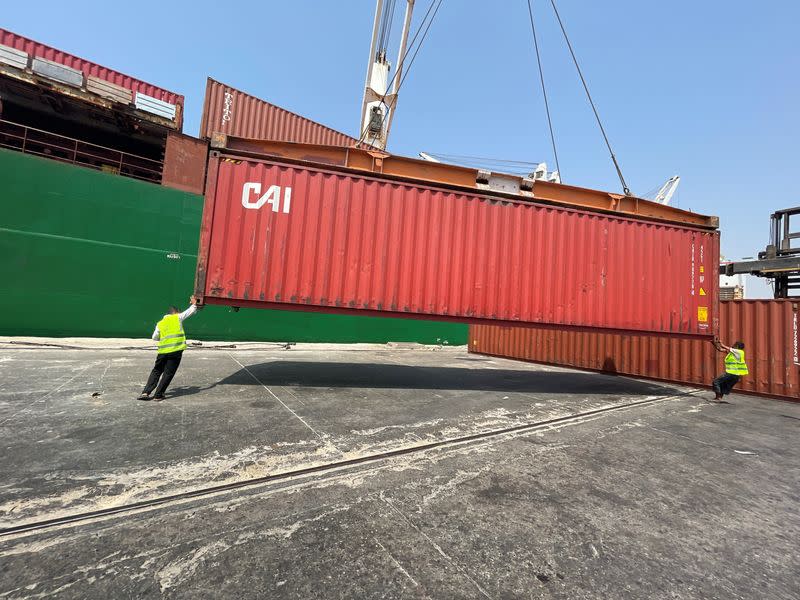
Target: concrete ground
{"type": "Point", "coordinates": [673, 499]}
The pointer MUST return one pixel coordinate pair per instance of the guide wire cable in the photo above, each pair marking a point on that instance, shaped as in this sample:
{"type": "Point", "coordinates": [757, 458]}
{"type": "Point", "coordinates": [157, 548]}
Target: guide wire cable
{"type": "Point", "coordinates": [483, 158]}
{"type": "Point", "coordinates": [544, 89]}
{"type": "Point", "coordinates": [516, 167]}
{"type": "Point", "coordinates": [417, 49]}
{"type": "Point", "coordinates": [591, 102]}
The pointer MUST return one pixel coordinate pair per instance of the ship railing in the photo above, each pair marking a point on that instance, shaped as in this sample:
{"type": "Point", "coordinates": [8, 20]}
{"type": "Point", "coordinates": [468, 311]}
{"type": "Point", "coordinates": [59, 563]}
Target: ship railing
{"type": "Point", "coordinates": [39, 142]}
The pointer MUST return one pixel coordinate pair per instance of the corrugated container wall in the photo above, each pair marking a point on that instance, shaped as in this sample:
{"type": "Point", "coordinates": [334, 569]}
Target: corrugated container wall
{"type": "Point", "coordinates": [230, 111]}
{"type": "Point", "coordinates": [311, 238]}
{"type": "Point", "coordinates": [768, 328]}
{"type": "Point", "coordinates": [185, 163]}
{"type": "Point", "coordinates": [34, 48]}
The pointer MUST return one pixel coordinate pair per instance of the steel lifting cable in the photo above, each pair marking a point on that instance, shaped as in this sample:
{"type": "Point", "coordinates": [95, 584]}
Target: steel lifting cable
{"type": "Point", "coordinates": [386, 27]}
{"type": "Point", "coordinates": [544, 89]}
{"type": "Point", "coordinates": [390, 22]}
{"type": "Point", "coordinates": [403, 58]}
{"type": "Point", "coordinates": [381, 36]}
{"type": "Point", "coordinates": [650, 194]}
{"type": "Point", "coordinates": [484, 158]}
{"type": "Point", "coordinates": [517, 167]}
{"type": "Point", "coordinates": [416, 50]}
{"type": "Point", "coordinates": [591, 102]}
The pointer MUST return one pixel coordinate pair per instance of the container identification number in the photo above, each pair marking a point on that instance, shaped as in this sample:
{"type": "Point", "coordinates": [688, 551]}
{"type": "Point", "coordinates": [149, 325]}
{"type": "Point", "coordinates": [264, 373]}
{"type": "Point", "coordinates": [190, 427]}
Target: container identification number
{"type": "Point", "coordinates": [272, 197]}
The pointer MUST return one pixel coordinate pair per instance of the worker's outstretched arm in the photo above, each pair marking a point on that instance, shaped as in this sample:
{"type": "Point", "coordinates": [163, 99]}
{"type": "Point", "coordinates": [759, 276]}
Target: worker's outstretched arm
{"type": "Point", "coordinates": [720, 346]}
{"type": "Point", "coordinates": [189, 311]}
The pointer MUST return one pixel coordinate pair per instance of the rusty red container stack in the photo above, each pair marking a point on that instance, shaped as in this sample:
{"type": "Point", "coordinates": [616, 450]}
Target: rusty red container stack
{"type": "Point", "coordinates": [768, 328]}
{"type": "Point", "coordinates": [298, 236]}
{"type": "Point", "coordinates": [233, 112]}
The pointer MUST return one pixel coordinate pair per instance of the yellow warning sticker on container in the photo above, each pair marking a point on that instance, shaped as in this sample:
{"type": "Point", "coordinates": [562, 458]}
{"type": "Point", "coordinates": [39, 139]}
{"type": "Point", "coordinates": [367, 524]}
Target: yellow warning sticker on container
{"type": "Point", "coordinates": [702, 292]}
{"type": "Point", "coordinates": [702, 269]}
{"type": "Point", "coordinates": [702, 314]}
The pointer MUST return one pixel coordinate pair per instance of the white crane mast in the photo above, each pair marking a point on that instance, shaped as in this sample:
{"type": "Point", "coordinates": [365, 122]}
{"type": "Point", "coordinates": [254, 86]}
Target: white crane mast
{"type": "Point", "coordinates": [379, 103]}
{"type": "Point", "coordinates": [664, 195]}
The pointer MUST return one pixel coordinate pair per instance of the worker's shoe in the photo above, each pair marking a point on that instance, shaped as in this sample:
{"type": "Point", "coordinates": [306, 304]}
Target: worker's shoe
{"type": "Point", "coordinates": [158, 398]}
{"type": "Point", "coordinates": [143, 396]}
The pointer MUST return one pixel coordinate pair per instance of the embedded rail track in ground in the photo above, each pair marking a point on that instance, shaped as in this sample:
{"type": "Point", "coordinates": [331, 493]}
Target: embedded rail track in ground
{"type": "Point", "coordinates": [82, 517]}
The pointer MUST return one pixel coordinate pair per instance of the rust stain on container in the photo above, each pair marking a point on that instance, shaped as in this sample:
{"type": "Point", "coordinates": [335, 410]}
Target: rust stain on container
{"type": "Point", "coordinates": [37, 49]}
{"type": "Point", "coordinates": [768, 328]}
{"type": "Point", "coordinates": [350, 242]}
{"type": "Point", "coordinates": [185, 163]}
{"type": "Point", "coordinates": [233, 112]}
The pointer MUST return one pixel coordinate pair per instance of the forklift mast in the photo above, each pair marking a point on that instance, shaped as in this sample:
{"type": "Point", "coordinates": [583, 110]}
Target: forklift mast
{"type": "Point", "coordinates": [781, 259]}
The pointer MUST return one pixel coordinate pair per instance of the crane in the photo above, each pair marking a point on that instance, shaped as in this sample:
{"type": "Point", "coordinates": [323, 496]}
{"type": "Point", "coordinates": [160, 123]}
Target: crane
{"type": "Point", "coordinates": [379, 103]}
{"type": "Point", "coordinates": [666, 191]}
{"type": "Point", "coordinates": [533, 170]}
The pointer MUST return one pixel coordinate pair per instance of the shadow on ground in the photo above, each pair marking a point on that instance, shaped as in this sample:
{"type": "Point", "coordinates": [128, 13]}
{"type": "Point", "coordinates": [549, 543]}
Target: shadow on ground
{"type": "Point", "coordinates": [381, 375]}
{"type": "Point", "coordinates": [189, 390]}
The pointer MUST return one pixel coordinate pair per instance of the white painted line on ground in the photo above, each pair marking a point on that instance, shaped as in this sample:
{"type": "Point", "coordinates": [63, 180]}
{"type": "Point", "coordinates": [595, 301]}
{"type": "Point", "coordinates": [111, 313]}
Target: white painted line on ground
{"type": "Point", "coordinates": [394, 560]}
{"type": "Point", "coordinates": [22, 410]}
{"type": "Point", "coordinates": [301, 419]}
{"type": "Point", "coordinates": [436, 546]}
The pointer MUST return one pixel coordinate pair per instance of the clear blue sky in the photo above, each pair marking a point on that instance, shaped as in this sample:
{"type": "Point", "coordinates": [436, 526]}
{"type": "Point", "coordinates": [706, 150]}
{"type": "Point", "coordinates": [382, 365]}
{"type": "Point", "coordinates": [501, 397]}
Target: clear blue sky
{"type": "Point", "coordinates": [707, 90]}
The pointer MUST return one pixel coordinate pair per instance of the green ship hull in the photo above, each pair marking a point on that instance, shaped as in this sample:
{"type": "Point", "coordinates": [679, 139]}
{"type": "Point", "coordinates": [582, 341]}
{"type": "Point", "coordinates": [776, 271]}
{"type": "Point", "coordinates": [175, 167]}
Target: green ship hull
{"type": "Point", "coordinates": [86, 253]}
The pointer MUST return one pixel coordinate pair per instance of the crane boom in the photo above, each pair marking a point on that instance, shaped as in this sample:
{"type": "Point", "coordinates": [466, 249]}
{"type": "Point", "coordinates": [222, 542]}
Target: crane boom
{"type": "Point", "coordinates": [379, 102]}
{"type": "Point", "coordinates": [665, 193]}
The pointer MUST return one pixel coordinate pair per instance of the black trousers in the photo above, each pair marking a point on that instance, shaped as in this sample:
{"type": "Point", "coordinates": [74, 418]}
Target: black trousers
{"type": "Point", "coordinates": [724, 383]}
{"type": "Point", "coordinates": [165, 368]}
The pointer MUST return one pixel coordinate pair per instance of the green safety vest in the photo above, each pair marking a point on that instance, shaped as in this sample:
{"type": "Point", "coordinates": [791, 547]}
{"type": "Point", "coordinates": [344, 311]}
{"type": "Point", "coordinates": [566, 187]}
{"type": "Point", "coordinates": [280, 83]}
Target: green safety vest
{"type": "Point", "coordinates": [172, 338]}
{"type": "Point", "coordinates": [735, 366]}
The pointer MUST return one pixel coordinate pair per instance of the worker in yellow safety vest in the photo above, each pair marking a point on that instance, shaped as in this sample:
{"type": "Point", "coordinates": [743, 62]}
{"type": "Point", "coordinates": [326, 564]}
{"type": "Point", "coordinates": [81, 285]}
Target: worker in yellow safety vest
{"type": "Point", "coordinates": [735, 368]}
{"type": "Point", "coordinates": [171, 340]}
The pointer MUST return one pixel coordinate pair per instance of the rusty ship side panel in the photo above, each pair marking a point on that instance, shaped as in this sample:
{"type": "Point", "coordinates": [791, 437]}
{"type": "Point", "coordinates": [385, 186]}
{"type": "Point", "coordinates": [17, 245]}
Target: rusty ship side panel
{"type": "Point", "coordinates": [768, 328]}
{"type": "Point", "coordinates": [280, 235]}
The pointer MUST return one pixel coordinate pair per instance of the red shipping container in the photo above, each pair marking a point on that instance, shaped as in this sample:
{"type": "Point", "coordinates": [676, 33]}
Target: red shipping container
{"type": "Point", "coordinates": [768, 328]}
{"type": "Point", "coordinates": [316, 238]}
{"type": "Point", "coordinates": [233, 112]}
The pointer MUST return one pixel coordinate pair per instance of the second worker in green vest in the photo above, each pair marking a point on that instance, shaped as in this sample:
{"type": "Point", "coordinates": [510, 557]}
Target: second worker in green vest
{"type": "Point", "coordinates": [735, 368]}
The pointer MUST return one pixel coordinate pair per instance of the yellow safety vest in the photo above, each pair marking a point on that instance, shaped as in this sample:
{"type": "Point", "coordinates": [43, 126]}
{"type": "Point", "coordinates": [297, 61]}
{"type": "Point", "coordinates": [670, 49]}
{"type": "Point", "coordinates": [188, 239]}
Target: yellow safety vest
{"type": "Point", "coordinates": [735, 366]}
{"type": "Point", "coordinates": [171, 335]}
